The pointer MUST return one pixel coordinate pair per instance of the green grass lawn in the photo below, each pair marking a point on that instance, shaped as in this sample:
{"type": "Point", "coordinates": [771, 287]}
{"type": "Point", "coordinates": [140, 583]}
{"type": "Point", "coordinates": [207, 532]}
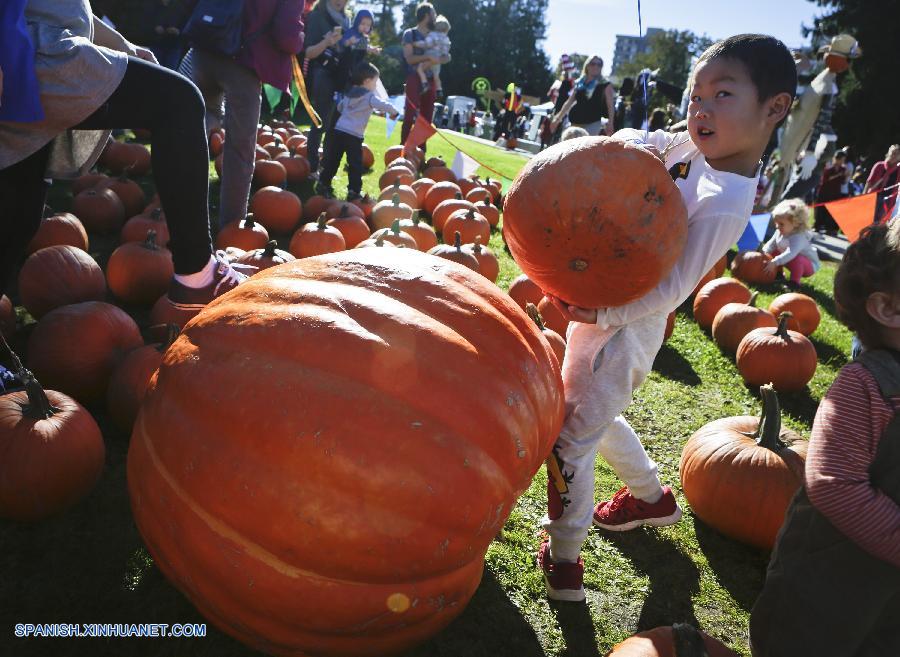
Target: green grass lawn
{"type": "Point", "coordinates": [89, 565]}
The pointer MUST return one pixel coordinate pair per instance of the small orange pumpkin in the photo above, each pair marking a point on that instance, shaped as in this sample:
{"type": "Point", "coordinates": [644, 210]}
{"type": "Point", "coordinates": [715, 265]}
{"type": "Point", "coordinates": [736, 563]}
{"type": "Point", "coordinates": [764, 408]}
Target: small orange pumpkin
{"type": "Point", "coordinates": [552, 317]}
{"type": "Point", "coordinates": [488, 265]}
{"type": "Point", "coordinates": [59, 229]}
{"type": "Point", "coordinates": [266, 257]}
{"type": "Point", "coordinates": [421, 231]}
{"type": "Point", "coordinates": [805, 315]}
{"type": "Point", "coordinates": [140, 272]}
{"type": "Point", "coordinates": [135, 229]}
{"type": "Point", "coordinates": [470, 224]}
{"type": "Point", "coordinates": [557, 343]}
{"type": "Point", "coordinates": [438, 192]}
{"type": "Point", "coordinates": [316, 239]}
{"type": "Point", "coordinates": [57, 276]}
{"type": "Point", "coordinates": [246, 234]}
{"type": "Point", "coordinates": [279, 210]}
{"type": "Point", "coordinates": [786, 358]}
{"type": "Point", "coordinates": [100, 210]}
{"type": "Point", "coordinates": [524, 291]}
{"type": "Point", "coordinates": [715, 294]}
{"type": "Point", "coordinates": [445, 208]}
{"type": "Point", "coordinates": [406, 193]}
{"type": "Point", "coordinates": [735, 320]}
{"type": "Point", "coordinates": [385, 212]}
{"type": "Point", "coordinates": [353, 227]}
{"type": "Point", "coordinates": [269, 173]}
{"type": "Point", "coordinates": [748, 266]}
{"type": "Point", "coordinates": [455, 253]}
{"type": "Point", "coordinates": [396, 236]}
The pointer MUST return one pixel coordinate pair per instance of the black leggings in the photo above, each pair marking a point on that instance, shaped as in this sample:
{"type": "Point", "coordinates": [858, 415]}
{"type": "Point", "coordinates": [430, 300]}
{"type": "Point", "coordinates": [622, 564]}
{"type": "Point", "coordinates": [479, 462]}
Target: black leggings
{"type": "Point", "coordinates": [150, 97]}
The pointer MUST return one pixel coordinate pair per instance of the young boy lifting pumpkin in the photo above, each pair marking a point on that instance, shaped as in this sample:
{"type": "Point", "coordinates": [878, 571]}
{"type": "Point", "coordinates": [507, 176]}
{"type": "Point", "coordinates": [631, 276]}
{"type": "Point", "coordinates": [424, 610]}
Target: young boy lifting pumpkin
{"type": "Point", "coordinates": [741, 90]}
{"type": "Point", "coordinates": [833, 586]}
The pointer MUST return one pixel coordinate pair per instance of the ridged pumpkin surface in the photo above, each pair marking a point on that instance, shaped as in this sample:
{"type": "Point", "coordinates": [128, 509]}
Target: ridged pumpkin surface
{"type": "Point", "coordinates": [738, 486]}
{"type": "Point", "coordinates": [595, 221]}
{"type": "Point", "coordinates": [340, 500]}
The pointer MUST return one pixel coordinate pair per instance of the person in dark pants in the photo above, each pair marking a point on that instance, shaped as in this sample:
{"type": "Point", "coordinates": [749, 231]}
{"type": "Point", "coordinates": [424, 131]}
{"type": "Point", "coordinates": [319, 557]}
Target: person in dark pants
{"type": "Point", "coordinates": [326, 75]}
{"type": "Point", "coordinates": [417, 102]}
{"type": "Point", "coordinates": [833, 584]}
{"type": "Point", "coordinates": [355, 109]}
{"type": "Point", "coordinates": [92, 79]}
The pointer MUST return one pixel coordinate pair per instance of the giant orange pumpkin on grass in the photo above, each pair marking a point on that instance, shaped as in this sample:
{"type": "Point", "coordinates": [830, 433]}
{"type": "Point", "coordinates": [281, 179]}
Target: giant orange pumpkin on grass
{"type": "Point", "coordinates": [594, 221]}
{"type": "Point", "coordinates": [342, 503]}
{"type": "Point", "coordinates": [740, 473]}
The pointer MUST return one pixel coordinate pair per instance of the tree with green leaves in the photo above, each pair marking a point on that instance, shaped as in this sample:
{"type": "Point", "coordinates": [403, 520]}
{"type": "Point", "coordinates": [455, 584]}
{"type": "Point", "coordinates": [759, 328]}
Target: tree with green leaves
{"type": "Point", "coordinates": [671, 52]}
{"type": "Point", "coordinates": [496, 39]}
{"type": "Point", "coordinates": [866, 116]}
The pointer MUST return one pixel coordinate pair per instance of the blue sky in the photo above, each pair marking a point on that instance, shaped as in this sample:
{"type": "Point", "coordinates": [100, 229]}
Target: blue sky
{"type": "Point", "coordinates": [591, 26]}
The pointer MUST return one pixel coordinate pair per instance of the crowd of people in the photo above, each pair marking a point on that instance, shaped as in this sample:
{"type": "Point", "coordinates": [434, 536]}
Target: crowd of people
{"type": "Point", "coordinates": [77, 79]}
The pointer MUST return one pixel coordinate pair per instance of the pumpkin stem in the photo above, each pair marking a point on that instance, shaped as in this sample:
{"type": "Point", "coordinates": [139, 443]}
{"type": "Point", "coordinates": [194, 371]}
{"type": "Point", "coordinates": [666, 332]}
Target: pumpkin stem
{"type": "Point", "coordinates": [379, 241]}
{"type": "Point", "coordinates": [38, 407]}
{"type": "Point", "coordinates": [688, 641]}
{"type": "Point", "coordinates": [535, 315]}
{"type": "Point", "coordinates": [156, 214]}
{"type": "Point", "coordinates": [752, 301]}
{"type": "Point", "coordinates": [344, 211]}
{"type": "Point", "coordinates": [768, 433]}
{"type": "Point", "coordinates": [249, 222]}
{"type": "Point", "coordinates": [320, 223]}
{"type": "Point", "coordinates": [782, 331]}
{"type": "Point", "coordinates": [395, 227]}
{"type": "Point", "coordinates": [150, 242]}
{"type": "Point", "coordinates": [458, 196]}
{"type": "Point", "coordinates": [269, 251]}
{"type": "Point", "coordinates": [476, 245]}
{"type": "Point", "coordinates": [470, 215]}
{"type": "Point", "coordinates": [415, 218]}
{"type": "Point", "coordinates": [457, 241]}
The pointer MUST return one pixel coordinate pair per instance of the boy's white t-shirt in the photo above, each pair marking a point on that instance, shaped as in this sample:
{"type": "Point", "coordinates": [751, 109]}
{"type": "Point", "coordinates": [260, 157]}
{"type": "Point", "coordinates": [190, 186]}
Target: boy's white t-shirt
{"type": "Point", "coordinates": [718, 205]}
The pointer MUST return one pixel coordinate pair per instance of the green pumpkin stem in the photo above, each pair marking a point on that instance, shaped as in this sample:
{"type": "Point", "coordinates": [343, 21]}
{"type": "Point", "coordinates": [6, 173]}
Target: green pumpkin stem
{"type": "Point", "coordinates": [269, 251]}
{"type": "Point", "coordinates": [457, 241]}
{"type": "Point", "coordinates": [379, 241]}
{"type": "Point", "coordinates": [752, 301]}
{"type": "Point", "coordinates": [395, 227]}
{"type": "Point", "coordinates": [320, 223]}
{"type": "Point", "coordinates": [395, 199]}
{"type": "Point", "coordinates": [768, 433]}
{"type": "Point", "coordinates": [458, 196]}
{"type": "Point", "coordinates": [688, 642]}
{"type": "Point", "coordinates": [415, 218]}
{"type": "Point", "coordinates": [535, 315]}
{"type": "Point", "coordinates": [470, 215]}
{"type": "Point", "coordinates": [38, 407]}
{"type": "Point", "coordinates": [782, 330]}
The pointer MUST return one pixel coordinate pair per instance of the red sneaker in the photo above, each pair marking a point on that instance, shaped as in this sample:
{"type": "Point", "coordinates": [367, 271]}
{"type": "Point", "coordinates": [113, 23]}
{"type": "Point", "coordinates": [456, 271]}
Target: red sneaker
{"type": "Point", "coordinates": [624, 511]}
{"type": "Point", "coordinates": [565, 581]}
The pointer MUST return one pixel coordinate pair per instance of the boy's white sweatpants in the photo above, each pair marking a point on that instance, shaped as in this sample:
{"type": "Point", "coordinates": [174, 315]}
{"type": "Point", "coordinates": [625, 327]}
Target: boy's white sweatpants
{"type": "Point", "coordinates": [601, 370]}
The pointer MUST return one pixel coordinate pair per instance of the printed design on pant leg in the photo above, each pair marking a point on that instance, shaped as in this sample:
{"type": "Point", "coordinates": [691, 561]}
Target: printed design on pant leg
{"type": "Point", "coordinates": [558, 480]}
{"type": "Point", "coordinates": [680, 170]}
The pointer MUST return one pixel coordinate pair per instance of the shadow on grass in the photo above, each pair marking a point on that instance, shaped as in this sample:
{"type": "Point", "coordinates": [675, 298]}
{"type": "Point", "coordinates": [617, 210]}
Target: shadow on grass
{"type": "Point", "coordinates": [828, 353]}
{"type": "Point", "coordinates": [490, 626]}
{"type": "Point", "coordinates": [674, 577]}
{"type": "Point", "coordinates": [740, 569]}
{"type": "Point", "coordinates": [578, 629]}
{"type": "Point", "coordinates": [676, 367]}
{"type": "Point", "coordinates": [801, 404]}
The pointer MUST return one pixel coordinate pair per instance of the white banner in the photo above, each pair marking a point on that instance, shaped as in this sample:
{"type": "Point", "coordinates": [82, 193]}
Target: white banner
{"type": "Point", "coordinates": [463, 165]}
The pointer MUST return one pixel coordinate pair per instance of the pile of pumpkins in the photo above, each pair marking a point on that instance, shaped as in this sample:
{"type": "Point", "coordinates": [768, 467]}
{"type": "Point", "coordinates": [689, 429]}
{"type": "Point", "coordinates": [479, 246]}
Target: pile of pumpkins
{"type": "Point", "coordinates": [769, 345]}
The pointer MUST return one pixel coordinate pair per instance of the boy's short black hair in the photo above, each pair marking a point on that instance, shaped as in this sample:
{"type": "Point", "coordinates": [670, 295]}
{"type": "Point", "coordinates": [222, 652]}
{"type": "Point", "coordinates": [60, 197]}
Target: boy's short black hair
{"type": "Point", "coordinates": [768, 61]}
{"type": "Point", "coordinates": [871, 264]}
{"type": "Point", "coordinates": [422, 10]}
{"type": "Point", "coordinates": [362, 72]}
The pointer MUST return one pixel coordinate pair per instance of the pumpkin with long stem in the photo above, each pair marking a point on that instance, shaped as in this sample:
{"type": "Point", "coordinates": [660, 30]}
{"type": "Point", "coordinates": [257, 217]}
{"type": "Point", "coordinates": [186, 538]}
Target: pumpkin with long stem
{"type": "Point", "coordinates": [53, 451]}
{"type": "Point", "coordinates": [552, 317]}
{"type": "Point", "coordinates": [316, 239]}
{"type": "Point", "coordinates": [740, 473]}
{"type": "Point", "coordinates": [455, 253]}
{"type": "Point", "coordinates": [557, 343]}
{"type": "Point", "coordinates": [57, 276]}
{"type": "Point", "coordinates": [490, 212]}
{"type": "Point", "coordinates": [313, 535]}
{"type": "Point", "coordinates": [781, 356]}
{"type": "Point", "coordinates": [140, 272]}
{"type": "Point", "coordinates": [735, 320]}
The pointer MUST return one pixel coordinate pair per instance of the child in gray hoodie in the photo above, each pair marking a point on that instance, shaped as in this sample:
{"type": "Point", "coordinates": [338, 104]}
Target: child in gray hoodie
{"type": "Point", "coordinates": [355, 108]}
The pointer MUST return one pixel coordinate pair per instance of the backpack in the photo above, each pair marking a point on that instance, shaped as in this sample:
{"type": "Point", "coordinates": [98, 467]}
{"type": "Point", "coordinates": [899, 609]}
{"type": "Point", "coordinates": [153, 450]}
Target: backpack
{"type": "Point", "coordinates": [215, 25]}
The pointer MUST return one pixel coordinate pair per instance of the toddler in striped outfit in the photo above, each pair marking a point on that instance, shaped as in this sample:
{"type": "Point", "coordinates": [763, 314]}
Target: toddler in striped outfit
{"type": "Point", "coordinates": [833, 585]}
